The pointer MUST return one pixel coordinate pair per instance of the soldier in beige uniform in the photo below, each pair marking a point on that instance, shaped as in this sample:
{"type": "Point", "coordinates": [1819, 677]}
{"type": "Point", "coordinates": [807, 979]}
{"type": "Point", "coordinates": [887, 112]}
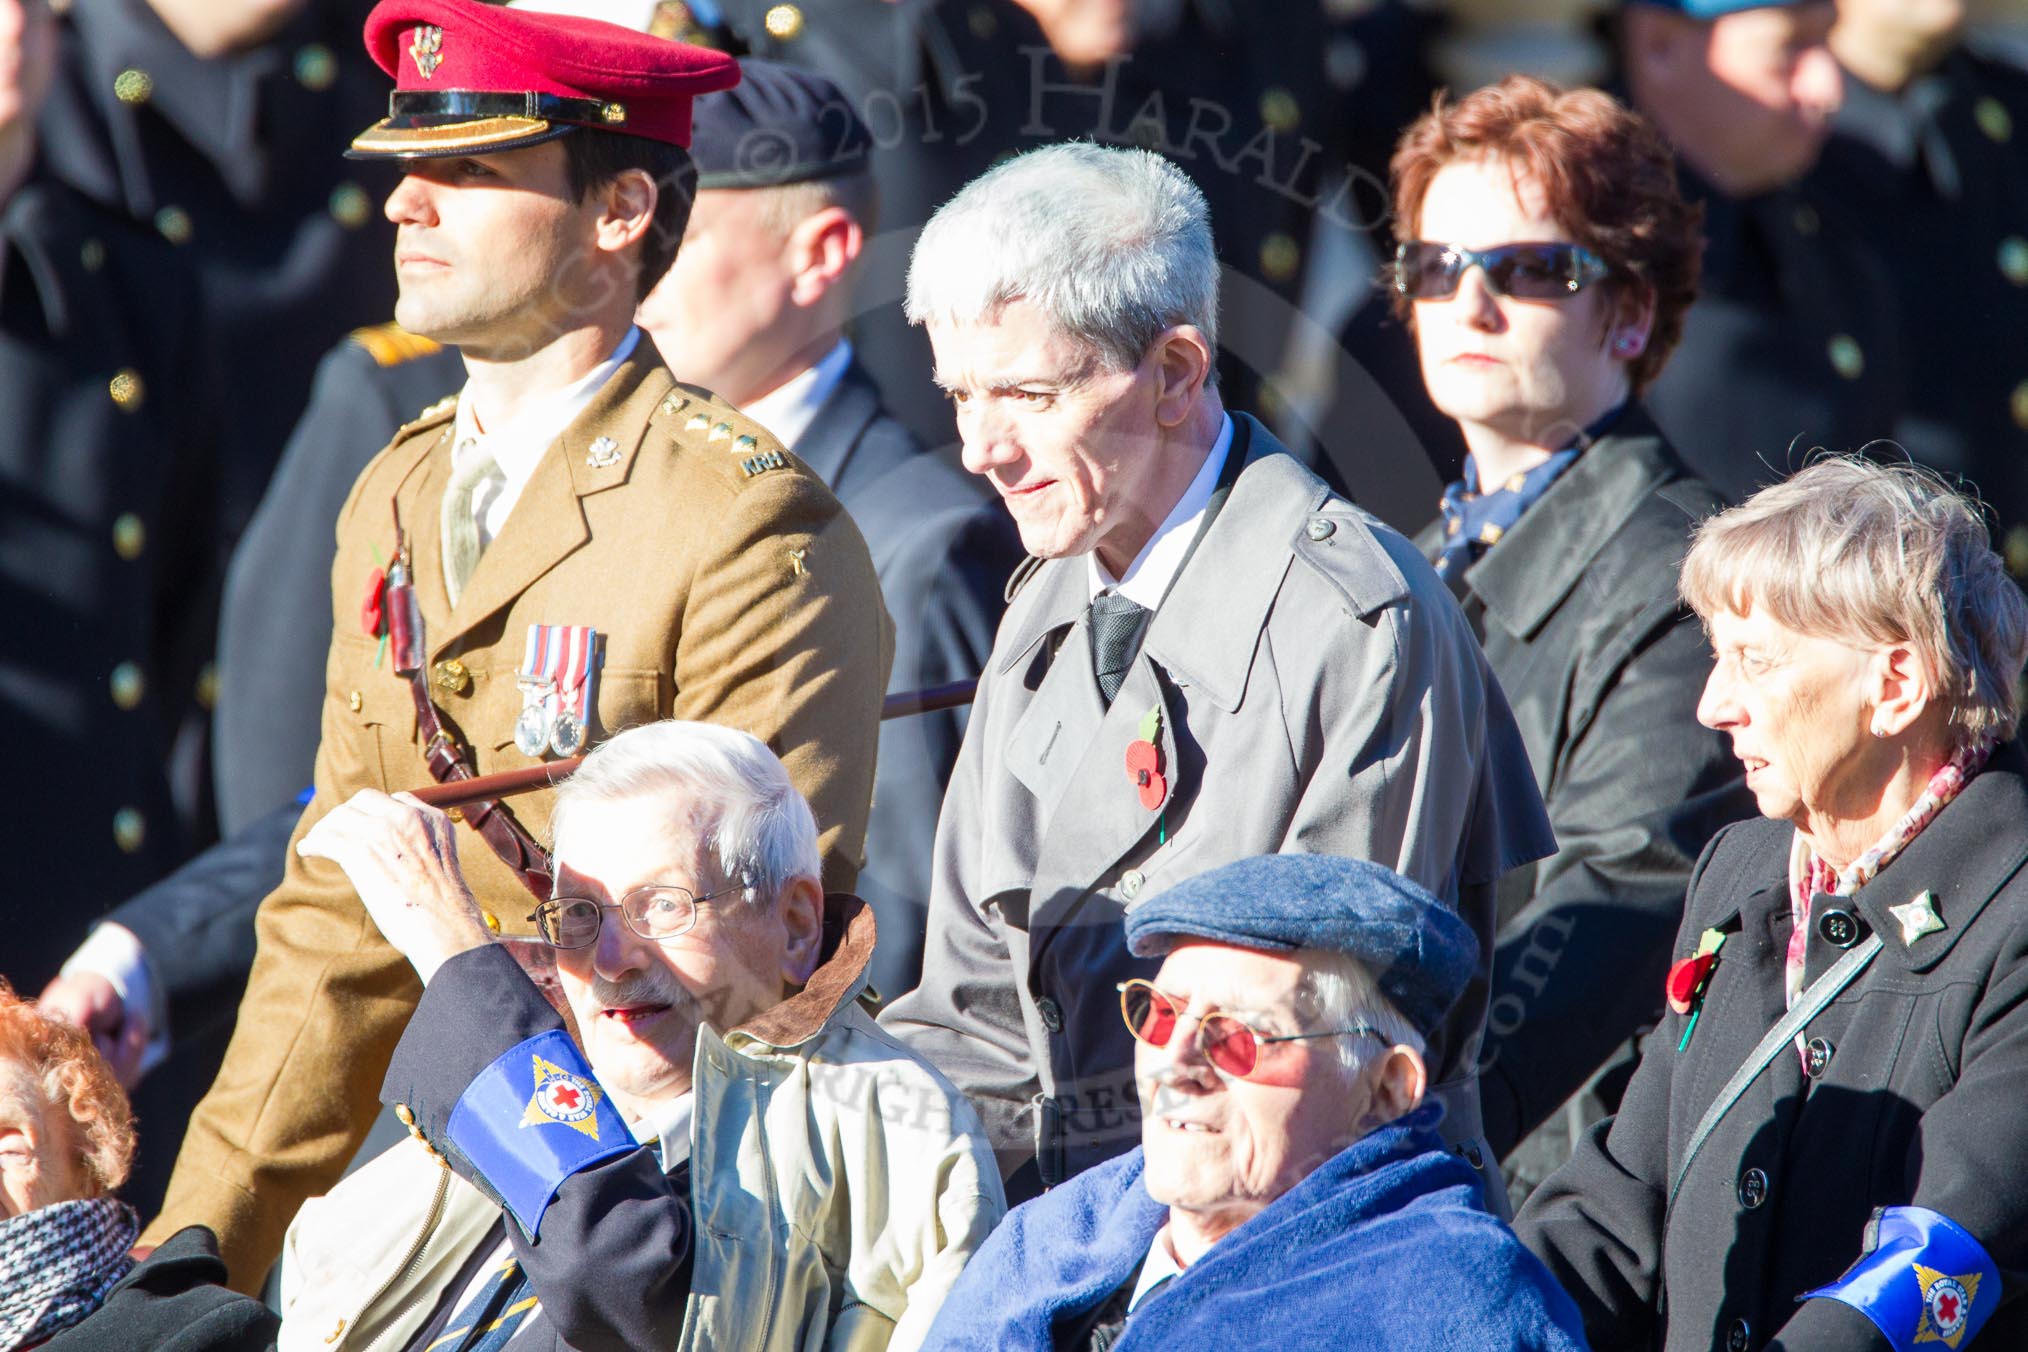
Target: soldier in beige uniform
{"type": "Point", "coordinates": [573, 486]}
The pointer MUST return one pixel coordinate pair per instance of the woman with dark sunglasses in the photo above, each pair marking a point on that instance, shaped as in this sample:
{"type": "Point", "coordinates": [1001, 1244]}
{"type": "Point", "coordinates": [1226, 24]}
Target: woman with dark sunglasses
{"type": "Point", "coordinates": [1545, 265]}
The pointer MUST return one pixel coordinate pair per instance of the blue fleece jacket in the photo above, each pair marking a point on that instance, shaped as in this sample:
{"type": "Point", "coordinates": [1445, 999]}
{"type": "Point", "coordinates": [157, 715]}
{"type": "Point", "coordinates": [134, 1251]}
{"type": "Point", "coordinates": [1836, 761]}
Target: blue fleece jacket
{"type": "Point", "coordinates": [1386, 1246]}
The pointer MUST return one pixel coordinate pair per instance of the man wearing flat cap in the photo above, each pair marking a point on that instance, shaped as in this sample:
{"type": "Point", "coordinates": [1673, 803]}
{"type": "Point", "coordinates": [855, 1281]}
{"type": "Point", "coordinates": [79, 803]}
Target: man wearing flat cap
{"type": "Point", "coordinates": [574, 545]}
{"type": "Point", "coordinates": [1290, 1185]}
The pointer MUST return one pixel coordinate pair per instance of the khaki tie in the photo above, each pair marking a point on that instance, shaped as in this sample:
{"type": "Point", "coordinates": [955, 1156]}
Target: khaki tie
{"type": "Point", "coordinates": [462, 545]}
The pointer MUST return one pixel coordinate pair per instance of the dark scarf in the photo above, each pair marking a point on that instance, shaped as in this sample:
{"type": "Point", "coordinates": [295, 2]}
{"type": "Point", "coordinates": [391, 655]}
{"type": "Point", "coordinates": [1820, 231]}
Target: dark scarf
{"type": "Point", "coordinates": [57, 1263]}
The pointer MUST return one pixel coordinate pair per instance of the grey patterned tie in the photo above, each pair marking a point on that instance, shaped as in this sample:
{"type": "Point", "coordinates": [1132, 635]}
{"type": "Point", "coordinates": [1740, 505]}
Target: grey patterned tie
{"type": "Point", "coordinates": [461, 526]}
{"type": "Point", "coordinates": [1116, 626]}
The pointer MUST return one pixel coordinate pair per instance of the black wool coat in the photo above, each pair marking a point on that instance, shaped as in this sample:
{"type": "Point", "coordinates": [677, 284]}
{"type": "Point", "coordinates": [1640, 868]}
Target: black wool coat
{"type": "Point", "coordinates": [1917, 1100]}
{"type": "Point", "coordinates": [175, 1300]}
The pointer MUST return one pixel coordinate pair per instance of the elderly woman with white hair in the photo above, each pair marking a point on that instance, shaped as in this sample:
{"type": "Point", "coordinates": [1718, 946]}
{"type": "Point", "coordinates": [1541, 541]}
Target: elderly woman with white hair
{"type": "Point", "coordinates": [1821, 1148]}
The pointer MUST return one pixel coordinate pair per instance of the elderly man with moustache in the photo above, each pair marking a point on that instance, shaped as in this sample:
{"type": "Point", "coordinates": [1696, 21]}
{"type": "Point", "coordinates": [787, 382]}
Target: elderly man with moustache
{"type": "Point", "coordinates": [737, 1157]}
{"type": "Point", "coordinates": [1211, 657]}
{"type": "Point", "coordinates": [1290, 1187]}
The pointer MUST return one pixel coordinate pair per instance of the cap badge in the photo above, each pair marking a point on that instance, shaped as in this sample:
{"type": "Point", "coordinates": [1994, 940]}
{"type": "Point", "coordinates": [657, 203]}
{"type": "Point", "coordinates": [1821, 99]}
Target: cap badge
{"type": "Point", "coordinates": [428, 49]}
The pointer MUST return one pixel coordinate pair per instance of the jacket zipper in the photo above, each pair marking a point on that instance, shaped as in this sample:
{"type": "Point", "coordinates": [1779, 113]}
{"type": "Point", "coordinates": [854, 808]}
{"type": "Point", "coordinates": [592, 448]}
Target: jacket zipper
{"type": "Point", "coordinates": [411, 1262]}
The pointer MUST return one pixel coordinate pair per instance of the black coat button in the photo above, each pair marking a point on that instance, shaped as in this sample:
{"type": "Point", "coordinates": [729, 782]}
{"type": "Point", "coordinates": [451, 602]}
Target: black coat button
{"type": "Point", "coordinates": [1817, 1057]}
{"type": "Point", "coordinates": [1737, 1336]}
{"type": "Point", "coordinates": [1052, 1014]}
{"type": "Point", "coordinates": [1752, 1188]}
{"type": "Point", "coordinates": [1839, 928]}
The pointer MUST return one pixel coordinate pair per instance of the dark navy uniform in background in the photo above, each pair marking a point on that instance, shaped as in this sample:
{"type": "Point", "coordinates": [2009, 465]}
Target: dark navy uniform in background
{"type": "Point", "coordinates": [1935, 177]}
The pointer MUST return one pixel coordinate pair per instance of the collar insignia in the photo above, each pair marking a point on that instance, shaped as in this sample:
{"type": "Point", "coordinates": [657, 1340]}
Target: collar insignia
{"type": "Point", "coordinates": [1917, 917]}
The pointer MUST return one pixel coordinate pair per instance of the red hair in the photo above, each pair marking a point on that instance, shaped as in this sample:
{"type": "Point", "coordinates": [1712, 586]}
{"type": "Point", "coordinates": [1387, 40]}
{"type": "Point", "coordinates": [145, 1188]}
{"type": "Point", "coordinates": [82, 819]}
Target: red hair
{"type": "Point", "coordinates": [1608, 177]}
{"type": "Point", "coordinates": [75, 1079]}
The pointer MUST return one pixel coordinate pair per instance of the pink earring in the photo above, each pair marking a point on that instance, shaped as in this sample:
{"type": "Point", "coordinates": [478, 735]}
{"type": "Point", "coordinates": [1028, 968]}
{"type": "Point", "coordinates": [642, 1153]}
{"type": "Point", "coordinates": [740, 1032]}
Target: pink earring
{"type": "Point", "coordinates": [1626, 345]}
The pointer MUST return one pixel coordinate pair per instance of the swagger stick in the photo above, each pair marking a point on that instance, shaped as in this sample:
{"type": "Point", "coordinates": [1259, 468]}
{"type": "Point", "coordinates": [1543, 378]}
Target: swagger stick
{"type": "Point", "coordinates": [506, 783]}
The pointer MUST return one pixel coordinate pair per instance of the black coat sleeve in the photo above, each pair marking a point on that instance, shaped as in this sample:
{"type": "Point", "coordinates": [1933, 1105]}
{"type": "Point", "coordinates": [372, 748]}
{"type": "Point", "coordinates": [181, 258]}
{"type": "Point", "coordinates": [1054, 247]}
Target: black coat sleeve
{"type": "Point", "coordinates": [611, 1260]}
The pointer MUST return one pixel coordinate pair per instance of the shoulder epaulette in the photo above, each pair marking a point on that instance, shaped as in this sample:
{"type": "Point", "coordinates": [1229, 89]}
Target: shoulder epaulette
{"type": "Point", "coordinates": [391, 344]}
{"type": "Point", "coordinates": [1018, 579]}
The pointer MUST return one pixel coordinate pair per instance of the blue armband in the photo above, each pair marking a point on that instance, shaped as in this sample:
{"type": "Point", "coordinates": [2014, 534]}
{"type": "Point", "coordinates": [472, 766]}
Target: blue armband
{"type": "Point", "coordinates": [1922, 1279]}
{"type": "Point", "coordinates": [532, 1119]}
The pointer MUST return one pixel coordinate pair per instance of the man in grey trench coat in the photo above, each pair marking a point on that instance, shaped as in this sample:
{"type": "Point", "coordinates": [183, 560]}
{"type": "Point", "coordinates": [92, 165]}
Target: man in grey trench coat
{"type": "Point", "coordinates": [1209, 657]}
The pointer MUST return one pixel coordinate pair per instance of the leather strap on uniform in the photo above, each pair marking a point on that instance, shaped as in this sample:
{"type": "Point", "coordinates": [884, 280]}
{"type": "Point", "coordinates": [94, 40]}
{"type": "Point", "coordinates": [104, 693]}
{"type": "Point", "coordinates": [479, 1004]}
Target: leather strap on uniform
{"type": "Point", "coordinates": [493, 820]}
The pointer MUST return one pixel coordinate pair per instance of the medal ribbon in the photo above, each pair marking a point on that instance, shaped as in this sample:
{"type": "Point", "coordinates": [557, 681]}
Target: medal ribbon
{"type": "Point", "coordinates": [573, 682]}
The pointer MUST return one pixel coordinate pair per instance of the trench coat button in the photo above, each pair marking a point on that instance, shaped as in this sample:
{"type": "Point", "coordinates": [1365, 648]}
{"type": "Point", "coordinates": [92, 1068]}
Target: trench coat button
{"type": "Point", "coordinates": [1752, 1188]}
{"type": "Point", "coordinates": [130, 829]}
{"type": "Point", "coordinates": [1817, 1057]}
{"type": "Point", "coordinates": [1839, 928]}
{"type": "Point", "coordinates": [1322, 528]}
{"type": "Point", "coordinates": [1131, 882]}
{"type": "Point", "coordinates": [1737, 1336]}
{"type": "Point", "coordinates": [1052, 1014]}
{"type": "Point", "coordinates": [453, 677]}
{"type": "Point", "coordinates": [355, 701]}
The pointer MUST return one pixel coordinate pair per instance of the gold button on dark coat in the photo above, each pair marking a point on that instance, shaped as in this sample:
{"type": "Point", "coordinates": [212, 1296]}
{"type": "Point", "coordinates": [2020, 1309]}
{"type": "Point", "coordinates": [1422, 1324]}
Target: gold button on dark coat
{"type": "Point", "coordinates": [130, 830]}
{"type": "Point", "coordinates": [132, 86]}
{"type": "Point", "coordinates": [127, 390]}
{"type": "Point", "coordinates": [127, 685]}
{"type": "Point", "coordinates": [1280, 257]}
{"type": "Point", "coordinates": [130, 536]}
{"type": "Point", "coordinates": [174, 224]}
{"type": "Point", "coordinates": [784, 23]}
{"type": "Point", "coordinates": [1848, 359]}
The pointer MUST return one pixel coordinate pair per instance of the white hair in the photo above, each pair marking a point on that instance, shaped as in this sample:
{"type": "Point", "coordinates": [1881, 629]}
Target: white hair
{"type": "Point", "coordinates": [1112, 244]}
{"type": "Point", "coordinates": [752, 816]}
{"type": "Point", "coordinates": [1338, 991]}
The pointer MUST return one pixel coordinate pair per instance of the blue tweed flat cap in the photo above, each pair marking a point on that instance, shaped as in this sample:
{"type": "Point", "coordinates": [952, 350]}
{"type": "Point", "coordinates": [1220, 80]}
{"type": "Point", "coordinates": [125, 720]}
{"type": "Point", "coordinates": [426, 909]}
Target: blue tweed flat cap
{"type": "Point", "coordinates": [1418, 950]}
{"type": "Point", "coordinates": [777, 125]}
{"type": "Point", "coordinates": [1712, 9]}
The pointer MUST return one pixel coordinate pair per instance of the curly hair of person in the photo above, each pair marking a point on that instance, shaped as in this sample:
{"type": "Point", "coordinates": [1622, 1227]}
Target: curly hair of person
{"type": "Point", "coordinates": [75, 1078]}
{"type": "Point", "coordinates": [1609, 178]}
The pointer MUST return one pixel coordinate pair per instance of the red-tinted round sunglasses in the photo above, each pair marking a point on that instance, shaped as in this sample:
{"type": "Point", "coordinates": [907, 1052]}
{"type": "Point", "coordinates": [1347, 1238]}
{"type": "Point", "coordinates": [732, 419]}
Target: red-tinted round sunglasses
{"type": "Point", "coordinates": [1228, 1042]}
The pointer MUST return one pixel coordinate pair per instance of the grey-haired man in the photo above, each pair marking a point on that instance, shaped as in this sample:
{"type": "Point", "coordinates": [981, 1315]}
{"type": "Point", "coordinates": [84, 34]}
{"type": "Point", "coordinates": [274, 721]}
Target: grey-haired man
{"type": "Point", "coordinates": [1211, 657]}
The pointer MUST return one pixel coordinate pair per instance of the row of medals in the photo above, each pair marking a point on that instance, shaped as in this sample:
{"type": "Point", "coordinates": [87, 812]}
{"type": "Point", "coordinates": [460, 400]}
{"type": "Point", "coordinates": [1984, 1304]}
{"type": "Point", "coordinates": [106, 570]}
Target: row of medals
{"type": "Point", "coordinates": [541, 728]}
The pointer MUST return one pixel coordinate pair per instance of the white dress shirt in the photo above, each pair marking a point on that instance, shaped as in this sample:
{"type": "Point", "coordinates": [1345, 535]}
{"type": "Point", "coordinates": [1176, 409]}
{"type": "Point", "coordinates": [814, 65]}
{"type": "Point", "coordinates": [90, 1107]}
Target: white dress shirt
{"type": "Point", "coordinates": [789, 410]}
{"type": "Point", "coordinates": [1155, 567]}
{"type": "Point", "coordinates": [518, 446]}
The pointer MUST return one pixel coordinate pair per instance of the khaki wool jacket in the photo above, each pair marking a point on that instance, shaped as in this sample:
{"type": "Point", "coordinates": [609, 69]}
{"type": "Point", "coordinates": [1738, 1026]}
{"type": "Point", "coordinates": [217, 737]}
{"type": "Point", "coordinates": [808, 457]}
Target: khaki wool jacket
{"type": "Point", "coordinates": [726, 584]}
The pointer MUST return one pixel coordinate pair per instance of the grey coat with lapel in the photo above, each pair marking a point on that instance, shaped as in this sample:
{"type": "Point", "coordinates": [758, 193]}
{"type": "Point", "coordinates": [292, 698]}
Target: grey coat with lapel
{"type": "Point", "coordinates": [1318, 690]}
{"type": "Point", "coordinates": [943, 547]}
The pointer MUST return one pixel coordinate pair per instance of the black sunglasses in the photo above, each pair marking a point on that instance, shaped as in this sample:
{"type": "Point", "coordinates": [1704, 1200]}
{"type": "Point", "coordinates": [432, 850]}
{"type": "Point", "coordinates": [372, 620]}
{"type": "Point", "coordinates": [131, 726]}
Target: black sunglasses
{"type": "Point", "coordinates": [1425, 270]}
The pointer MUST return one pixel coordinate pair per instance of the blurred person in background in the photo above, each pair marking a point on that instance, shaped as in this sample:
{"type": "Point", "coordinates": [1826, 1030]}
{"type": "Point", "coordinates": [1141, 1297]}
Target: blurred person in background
{"type": "Point", "coordinates": [1820, 1148]}
{"type": "Point", "coordinates": [1546, 266]}
{"type": "Point", "coordinates": [1928, 160]}
{"type": "Point", "coordinates": [68, 1282]}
